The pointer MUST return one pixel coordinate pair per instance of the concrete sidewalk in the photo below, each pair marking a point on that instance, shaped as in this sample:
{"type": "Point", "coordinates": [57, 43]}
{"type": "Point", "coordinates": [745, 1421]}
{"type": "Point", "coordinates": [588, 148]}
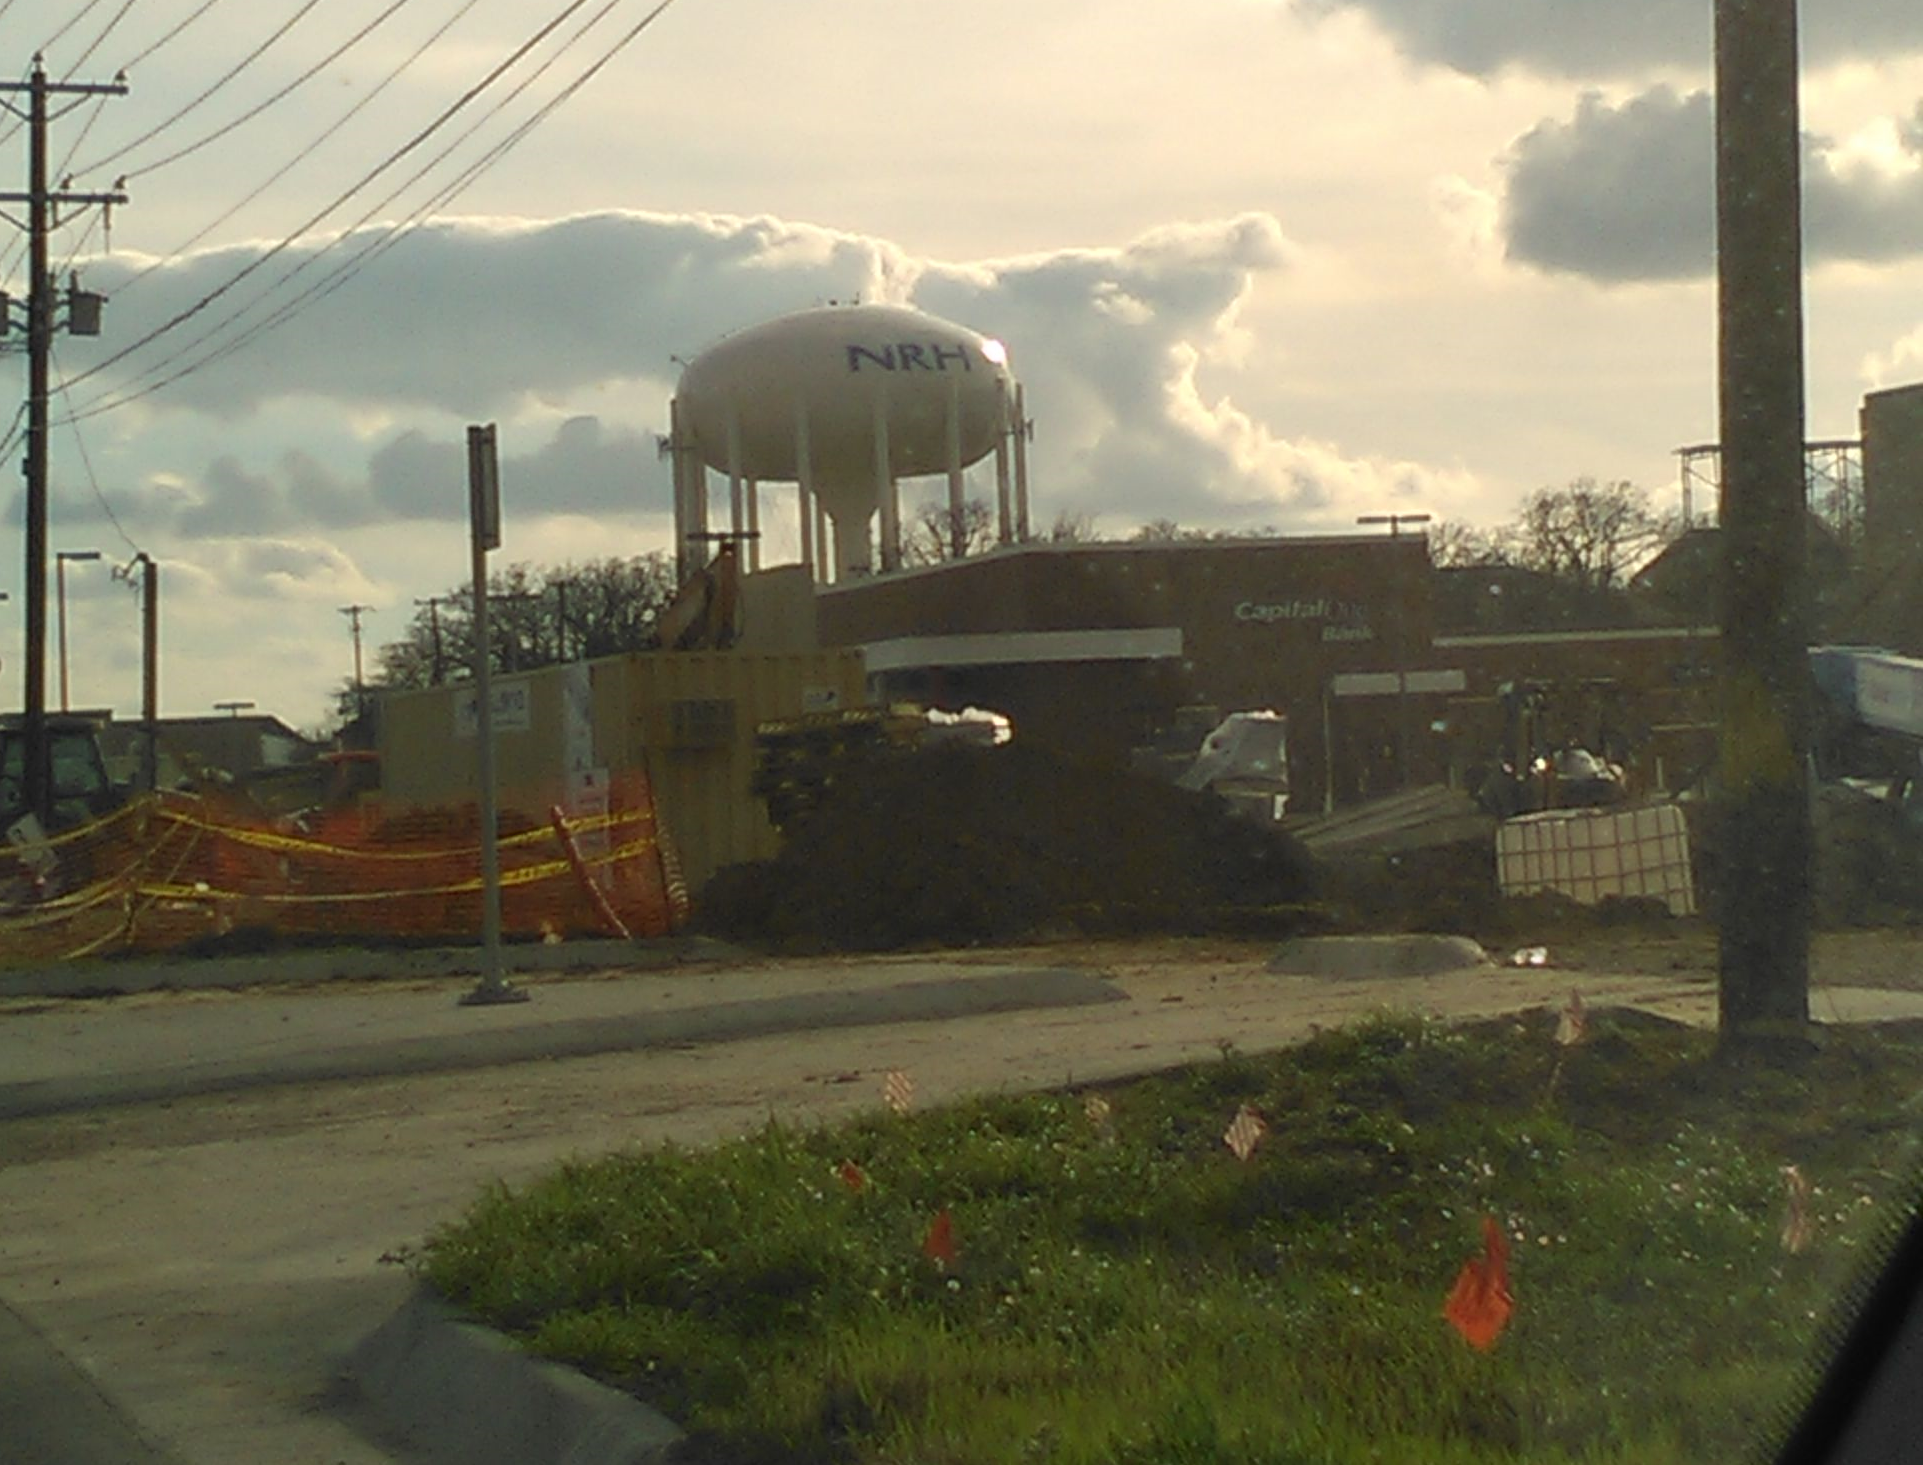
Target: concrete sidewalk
{"type": "Point", "coordinates": [123, 975]}
{"type": "Point", "coordinates": [94, 1056]}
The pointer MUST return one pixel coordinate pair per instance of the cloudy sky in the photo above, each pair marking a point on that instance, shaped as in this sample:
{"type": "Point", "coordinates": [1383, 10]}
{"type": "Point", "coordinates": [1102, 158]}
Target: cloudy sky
{"type": "Point", "coordinates": [1259, 262]}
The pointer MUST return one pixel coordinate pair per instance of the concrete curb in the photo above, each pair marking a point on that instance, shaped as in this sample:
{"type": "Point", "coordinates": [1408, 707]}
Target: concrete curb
{"type": "Point", "coordinates": [930, 1001]}
{"type": "Point", "coordinates": [1412, 955]}
{"type": "Point", "coordinates": [57, 1412]}
{"type": "Point", "coordinates": [468, 1393]}
{"type": "Point", "coordinates": [120, 976]}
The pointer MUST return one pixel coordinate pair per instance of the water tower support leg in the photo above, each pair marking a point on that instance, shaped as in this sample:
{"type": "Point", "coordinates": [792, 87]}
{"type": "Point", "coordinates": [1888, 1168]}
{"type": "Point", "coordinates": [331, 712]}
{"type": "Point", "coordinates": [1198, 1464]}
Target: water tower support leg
{"type": "Point", "coordinates": [957, 504]}
{"type": "Point", "coordinates": [887, 495]}
{"type": "Point", "coordinates": [1021, 468]}
{"type": "Point", "coordinates": [805, 489]}
{"type": "Point", "coordinates": [753, 489]}
{"type": "Point", "coordinates": [678, 479]}
{"type": "Point", "coordinates": [1004, 526]}
{"type": "Point", "coordinates": [735, 522]}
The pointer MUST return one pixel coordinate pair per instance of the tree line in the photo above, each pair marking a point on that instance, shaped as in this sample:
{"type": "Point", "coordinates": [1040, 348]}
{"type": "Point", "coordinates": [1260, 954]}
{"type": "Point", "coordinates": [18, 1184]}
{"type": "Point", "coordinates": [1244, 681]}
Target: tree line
{"type": "Point", "coordinates": [537, 616]}
{"type": "Point", "coordinates": [1590, 534]}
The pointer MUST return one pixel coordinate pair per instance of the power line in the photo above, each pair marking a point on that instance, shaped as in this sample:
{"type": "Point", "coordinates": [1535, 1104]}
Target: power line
{"type": "Point", "coordinates": [72, 21]}
{"type": "Point", "coordinates": [306, 152]}
{"type": "Point", "coordinates": [204, 7]}
{"type": "Point", "coordinates": [11, 439]}
{"type": "Point", "coordinates": [93, 482]}
{"type": "Point", "coordinates": [99, 40]}
{"type": "Point", "coordinates": [186, 314]}
{"type": "Point", "coordinates": [467, 178]}
{"type": "Point", "coordinates": [392, 235]}
{"type": "Point", "coordinates": [255, 111]}
{"type": "Point", "coordinates": [233, 71]}
{"type": "Point", "coordinates": [95, 220]}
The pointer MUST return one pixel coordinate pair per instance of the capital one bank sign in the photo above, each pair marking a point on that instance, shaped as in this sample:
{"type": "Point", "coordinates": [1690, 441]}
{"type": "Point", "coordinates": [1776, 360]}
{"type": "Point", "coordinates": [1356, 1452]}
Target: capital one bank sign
{"type": "Point", "coordinates": [1339, 620]}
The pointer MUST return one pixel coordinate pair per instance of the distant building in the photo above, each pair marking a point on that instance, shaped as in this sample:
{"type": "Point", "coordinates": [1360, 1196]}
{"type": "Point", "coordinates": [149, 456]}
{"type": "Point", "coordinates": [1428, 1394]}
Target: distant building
{"type": "Point", "coordinates": [240, 750]}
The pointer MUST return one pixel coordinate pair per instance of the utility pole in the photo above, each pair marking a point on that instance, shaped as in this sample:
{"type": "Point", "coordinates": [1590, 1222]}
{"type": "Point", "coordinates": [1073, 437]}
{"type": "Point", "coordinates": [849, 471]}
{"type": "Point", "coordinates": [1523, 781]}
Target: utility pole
{"type": "Point", "coordinates": [353, 614]}
{"type": "Point", "coordinates": [437, 668]}
{"type": "Point", "coordinates": [1763, 823]}
{"type": "Point", "coordinates": [149, 592]}
{"type": "Point", "coordinates": [43, 205]}
{"type": "Point", "coordinates": [561, 620]}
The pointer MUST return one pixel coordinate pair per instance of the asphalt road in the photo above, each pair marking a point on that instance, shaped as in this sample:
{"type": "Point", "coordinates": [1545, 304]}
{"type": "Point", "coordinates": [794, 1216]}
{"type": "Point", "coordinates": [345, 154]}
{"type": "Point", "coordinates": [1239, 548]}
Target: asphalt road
{"type": "Point", "coordinates": [185, 1265]}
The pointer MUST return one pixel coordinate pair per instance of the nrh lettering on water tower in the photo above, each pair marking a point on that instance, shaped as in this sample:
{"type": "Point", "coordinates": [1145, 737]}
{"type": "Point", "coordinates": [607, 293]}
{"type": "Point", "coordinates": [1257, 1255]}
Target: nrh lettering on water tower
{"type": "Point", "coordinates": [910, 356]}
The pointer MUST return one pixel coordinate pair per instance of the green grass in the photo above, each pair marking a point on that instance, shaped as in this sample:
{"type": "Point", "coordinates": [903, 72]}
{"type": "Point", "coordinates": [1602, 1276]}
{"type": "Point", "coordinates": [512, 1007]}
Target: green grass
{"type": "Point", "coordinates": [1144, 1298]}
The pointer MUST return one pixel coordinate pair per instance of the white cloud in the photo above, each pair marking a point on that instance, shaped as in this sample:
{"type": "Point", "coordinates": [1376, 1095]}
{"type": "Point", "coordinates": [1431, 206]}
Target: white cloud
{"type": "Point", "coordinates": [1626, 191]}
{"type": "Point", "coordinates": [1114, 345]}
{"type": "Point", "coordinates": [1611, 38]}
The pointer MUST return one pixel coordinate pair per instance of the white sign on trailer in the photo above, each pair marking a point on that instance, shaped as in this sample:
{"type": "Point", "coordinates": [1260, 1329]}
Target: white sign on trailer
{"type": "Point", "coordinates": [509, 701]}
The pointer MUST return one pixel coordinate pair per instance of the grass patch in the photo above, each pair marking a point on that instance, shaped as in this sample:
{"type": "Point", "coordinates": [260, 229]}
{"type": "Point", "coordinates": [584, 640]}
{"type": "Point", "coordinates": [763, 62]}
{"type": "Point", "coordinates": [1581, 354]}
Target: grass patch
{"type": "Point", "coordinates": [1134, 1295]}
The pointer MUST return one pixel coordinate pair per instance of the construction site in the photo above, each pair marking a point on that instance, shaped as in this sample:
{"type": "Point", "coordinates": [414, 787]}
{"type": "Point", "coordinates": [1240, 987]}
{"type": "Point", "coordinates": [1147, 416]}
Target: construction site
{"type": "Point", "coordinates": [849, 751]}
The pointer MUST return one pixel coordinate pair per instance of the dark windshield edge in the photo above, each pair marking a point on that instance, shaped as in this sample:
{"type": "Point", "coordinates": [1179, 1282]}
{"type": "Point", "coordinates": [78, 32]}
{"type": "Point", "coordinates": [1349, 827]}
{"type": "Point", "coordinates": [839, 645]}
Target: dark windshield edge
{"type": "Point", "coordinates": [1867, 1409]}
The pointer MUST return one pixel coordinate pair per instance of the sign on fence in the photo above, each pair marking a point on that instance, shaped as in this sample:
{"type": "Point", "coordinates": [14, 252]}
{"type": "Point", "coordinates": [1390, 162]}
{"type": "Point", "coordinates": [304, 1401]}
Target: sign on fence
{"type": "Point", "coordinates": [511, 702]}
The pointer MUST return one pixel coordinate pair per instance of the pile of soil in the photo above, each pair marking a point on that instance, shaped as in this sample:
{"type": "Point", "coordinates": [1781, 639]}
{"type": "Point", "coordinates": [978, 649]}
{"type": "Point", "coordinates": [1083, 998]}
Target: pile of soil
{"type": "Point", "coordinates": [954, 845]}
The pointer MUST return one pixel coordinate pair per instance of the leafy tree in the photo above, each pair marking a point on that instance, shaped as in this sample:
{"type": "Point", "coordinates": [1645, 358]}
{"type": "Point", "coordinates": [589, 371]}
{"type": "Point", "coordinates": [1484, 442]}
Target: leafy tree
{"type": "Point", "coordinates": [536, 617]}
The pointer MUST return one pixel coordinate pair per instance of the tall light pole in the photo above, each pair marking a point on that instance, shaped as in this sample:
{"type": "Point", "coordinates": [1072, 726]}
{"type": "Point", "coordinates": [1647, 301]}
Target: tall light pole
{"type": "Point", "coordinates": [61, 557]}
{"type": "Point", "coordinates": [1395, 523]}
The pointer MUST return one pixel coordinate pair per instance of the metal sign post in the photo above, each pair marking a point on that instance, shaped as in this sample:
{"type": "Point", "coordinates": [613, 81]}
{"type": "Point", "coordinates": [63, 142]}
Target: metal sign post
{"type": "Point", "coordinates": [484, 524]}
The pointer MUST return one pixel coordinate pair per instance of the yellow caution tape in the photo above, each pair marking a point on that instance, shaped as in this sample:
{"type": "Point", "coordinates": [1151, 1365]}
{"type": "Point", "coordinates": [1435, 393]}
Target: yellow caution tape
{"type": "Point", "coordinates": [525, 875]}
{"type": "Point", "coordinates": [293, 844]}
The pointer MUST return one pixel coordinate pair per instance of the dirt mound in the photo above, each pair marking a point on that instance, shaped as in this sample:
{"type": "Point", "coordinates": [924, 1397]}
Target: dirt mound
{"type": "Point", "coordinates": [960, 845]}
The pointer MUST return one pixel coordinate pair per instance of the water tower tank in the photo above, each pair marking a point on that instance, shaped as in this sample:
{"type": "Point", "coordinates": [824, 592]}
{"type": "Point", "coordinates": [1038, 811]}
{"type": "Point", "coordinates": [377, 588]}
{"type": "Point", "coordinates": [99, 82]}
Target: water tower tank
{"type": "Point", "coordinates": [846, 398]}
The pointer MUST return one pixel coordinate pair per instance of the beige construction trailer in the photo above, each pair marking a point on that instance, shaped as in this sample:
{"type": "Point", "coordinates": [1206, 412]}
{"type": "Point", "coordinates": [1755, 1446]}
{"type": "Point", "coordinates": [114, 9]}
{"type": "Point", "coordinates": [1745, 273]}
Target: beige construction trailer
{"type": "Point", "coordinates": [565, 735]}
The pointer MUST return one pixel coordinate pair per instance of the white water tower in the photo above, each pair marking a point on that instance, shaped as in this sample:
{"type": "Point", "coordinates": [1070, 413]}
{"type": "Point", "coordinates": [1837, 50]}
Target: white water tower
{"type": "Point", "coordinates": [844, 401]}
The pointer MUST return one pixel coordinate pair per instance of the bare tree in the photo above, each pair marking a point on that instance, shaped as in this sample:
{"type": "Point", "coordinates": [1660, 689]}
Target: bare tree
{"type": "Point", "coordinates": [1455, 545]}
{"type": "Point", "coordinates": [1592, 535]}
{"type": "Point", "coordinates": [1160, 531]}
{"type": "Point", "coordinates": [1072, 528]}
{"type": "Point", "coordinates": [937, 535]}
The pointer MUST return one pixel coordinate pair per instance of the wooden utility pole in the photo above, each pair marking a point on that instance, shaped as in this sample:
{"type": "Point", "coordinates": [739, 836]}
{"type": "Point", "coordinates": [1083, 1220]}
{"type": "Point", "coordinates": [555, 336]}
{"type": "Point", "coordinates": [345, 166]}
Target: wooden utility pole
{"type": "Point", "coordinates": [354, 614]}
{"type": "Point", "coordinates": [437, 668]}
{"type": "Point", "coordinates": [41, 203]}
{"type": "Point", "coordinates": [1763, 815]}
{"type": "Point", "coordinates": [149, 592]}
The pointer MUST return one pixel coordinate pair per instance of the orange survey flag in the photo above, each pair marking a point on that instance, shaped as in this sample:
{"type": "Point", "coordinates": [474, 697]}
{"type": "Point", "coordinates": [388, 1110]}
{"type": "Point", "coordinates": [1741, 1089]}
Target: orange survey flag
{"type": "Point", "coordinates": [939, 1244]}
{"type": "Point", "coordinates": [1480, 1303]}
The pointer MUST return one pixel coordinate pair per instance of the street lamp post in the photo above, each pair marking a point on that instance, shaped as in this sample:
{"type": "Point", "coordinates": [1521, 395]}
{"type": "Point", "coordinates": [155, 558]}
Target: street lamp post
{"type": "Point", "coordinates": [1395, 523]}
{"type": "Point", "coordinates": [61, 556]}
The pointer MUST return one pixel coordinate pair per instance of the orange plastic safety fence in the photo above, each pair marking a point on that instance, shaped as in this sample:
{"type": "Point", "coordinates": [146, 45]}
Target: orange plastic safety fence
{"type": "Point", "coordinates": [173, 870]}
